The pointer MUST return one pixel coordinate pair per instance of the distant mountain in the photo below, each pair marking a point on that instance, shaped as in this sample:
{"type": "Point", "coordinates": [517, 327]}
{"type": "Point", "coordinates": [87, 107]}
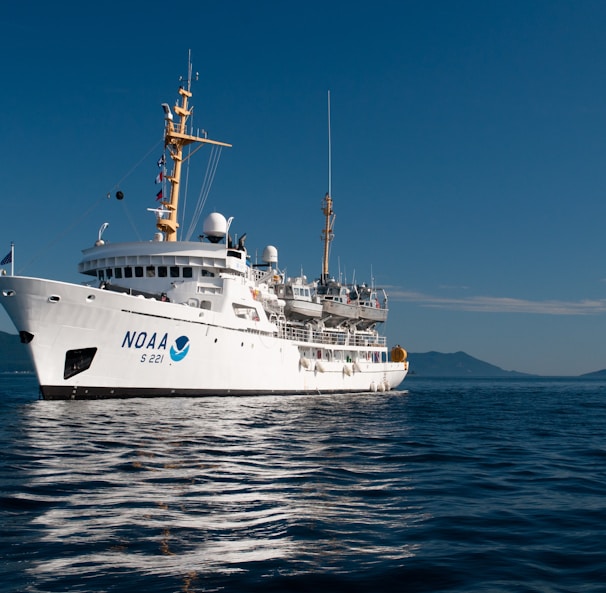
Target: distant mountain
{"type": "Point", "coordinates": [595, 375]}
{"type": "Point", "coordinates": [456, 364]}
{"type": "Point", "coordinates": [13, 356]}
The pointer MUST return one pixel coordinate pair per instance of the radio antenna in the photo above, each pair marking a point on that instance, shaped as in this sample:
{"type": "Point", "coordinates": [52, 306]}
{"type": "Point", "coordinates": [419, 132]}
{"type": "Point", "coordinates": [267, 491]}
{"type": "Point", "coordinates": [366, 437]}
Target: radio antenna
{"type": "Point", "coordinates": [329, 215]}
{"type": "Point", "coordinates": [329, 151]}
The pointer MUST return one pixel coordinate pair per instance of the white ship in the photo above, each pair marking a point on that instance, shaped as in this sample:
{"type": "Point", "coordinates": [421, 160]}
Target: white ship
{"type": "Point", "coordinates": [168, 317]}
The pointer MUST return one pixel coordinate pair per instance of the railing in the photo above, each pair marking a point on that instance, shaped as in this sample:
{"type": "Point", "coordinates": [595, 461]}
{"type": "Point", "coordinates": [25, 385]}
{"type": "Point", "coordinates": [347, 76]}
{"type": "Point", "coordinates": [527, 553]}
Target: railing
{"type": "Point", "coordinates": [335, 338]}
{"type": "Point", "coordinates": [259, 275]}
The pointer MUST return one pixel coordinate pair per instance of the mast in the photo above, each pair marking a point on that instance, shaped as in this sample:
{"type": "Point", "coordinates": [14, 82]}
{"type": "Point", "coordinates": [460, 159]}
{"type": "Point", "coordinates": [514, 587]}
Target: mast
{"type": "Point", "coordinates": [176, 139]}
{"type": "Point", "coordinates": [329, 215]}
{"type": "Point", "coordinates": [327, 234]}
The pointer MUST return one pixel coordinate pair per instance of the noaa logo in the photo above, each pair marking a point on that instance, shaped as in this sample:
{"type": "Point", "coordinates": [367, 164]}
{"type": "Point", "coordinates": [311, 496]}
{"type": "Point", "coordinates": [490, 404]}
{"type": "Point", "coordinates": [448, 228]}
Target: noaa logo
{"type": "Point", "coordinates": [179, 350]}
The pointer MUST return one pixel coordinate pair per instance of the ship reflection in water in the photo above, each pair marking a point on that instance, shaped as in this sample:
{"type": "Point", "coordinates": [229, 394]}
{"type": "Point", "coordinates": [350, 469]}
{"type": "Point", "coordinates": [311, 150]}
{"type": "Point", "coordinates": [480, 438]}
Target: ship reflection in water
{"type": "Point", "coordinates": [199, 490]}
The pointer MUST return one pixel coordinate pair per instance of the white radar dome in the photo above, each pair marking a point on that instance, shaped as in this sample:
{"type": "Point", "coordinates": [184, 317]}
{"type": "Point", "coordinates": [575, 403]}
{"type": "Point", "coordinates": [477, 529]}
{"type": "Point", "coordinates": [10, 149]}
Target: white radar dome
{"type": "Point", "coordinates": [270, 255]}
{"type": "Point", "coordinates": [215, 227]}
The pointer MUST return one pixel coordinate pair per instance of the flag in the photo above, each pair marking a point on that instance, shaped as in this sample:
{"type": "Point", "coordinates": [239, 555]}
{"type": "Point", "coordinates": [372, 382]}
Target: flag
{"type": "Point", "coordinates": [8, 258]}
{"type": "Point", "coordinates": [159, 177]}
{"type": "Point", "coordinates": [161, 161]}
{"type": "Point", "coordinates": [159, 195]}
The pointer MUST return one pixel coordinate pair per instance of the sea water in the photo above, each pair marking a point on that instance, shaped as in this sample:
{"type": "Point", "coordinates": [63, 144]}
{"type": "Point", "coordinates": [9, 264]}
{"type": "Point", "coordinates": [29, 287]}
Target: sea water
{"type": "Point", "coordinates": [445, 485]}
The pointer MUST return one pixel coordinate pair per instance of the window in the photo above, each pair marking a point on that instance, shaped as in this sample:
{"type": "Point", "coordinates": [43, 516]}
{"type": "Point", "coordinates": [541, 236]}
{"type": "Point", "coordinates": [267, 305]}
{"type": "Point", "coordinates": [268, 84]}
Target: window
{"type": "Point", "coordinates": [128, 272]}
{"type": "Point", "coordinates": [245, 312]}
{"type": "Point", "coordinates": [187, 273]}
{"type": "Point", "coordinates": [174, 271]}
{"type": "Point", "coordinates": [150, 271]}
{"type": "Point", "coordinates": [109, 273]}
{"type": "Point", "coordinates": [139, 271]}
{"type": "Point", "coordinates": [101, 275]}
{"type": "Point", "coordinates": [162, 271]}
{"type": "Point", "coordinates": [118, 272]}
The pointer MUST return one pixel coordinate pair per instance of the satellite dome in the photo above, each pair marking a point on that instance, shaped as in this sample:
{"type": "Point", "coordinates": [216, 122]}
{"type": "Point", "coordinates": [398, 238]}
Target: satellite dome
{"type": "Point", "coordinates": [215, 227]}
{"type": "Point", "coordinates": [270, 255]}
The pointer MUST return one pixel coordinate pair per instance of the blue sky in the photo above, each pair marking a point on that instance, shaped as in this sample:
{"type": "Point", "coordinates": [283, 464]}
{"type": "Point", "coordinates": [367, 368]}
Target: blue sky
{"type": "Point", "coordinates": [468, 151]}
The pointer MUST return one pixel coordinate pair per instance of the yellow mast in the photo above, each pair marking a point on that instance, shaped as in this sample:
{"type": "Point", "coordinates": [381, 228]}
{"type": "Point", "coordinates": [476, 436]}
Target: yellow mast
{"type": "Point", "coordinates": [176, 139]}
{"type": "Point", "coordinates": [327, 234]}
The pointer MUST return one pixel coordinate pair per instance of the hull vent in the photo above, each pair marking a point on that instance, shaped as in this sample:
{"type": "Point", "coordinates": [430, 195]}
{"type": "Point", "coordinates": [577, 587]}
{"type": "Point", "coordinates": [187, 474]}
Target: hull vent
{"type": "Point", "coordinates": [25, 337]}
{"type": "Point", "coordinates": [77, 361]}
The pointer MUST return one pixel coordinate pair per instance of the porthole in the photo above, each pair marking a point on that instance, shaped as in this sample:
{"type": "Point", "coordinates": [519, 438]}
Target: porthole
{"type": "Point", "coordinates": [53, 298]}
{"type": "Point", "coordinates": [90, 298]}
{"type": "Point", "coordinates": [8, 293]}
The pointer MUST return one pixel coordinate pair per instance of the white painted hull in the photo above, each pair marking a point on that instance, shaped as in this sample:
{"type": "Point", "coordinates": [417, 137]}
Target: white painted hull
{"type": "Point", "coordinates": [336, 312]}
{"type": "Point", "coordinates": [373, 314]}
{"type": "Point", "coordinates": [138, 352]}
{"type": "Point", "coordinates": [299, 309]}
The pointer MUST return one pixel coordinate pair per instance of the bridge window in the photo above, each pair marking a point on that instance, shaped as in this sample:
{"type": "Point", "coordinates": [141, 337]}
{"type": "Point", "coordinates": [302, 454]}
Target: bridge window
{"type": "Point", "coordinates": [174, 271]}
{"type": "Point", "coordinates": [139, 271]}
{"type": "Point", "coordinates": [187, 273]}
{"type": "Point", "coordinates": [128, 272]}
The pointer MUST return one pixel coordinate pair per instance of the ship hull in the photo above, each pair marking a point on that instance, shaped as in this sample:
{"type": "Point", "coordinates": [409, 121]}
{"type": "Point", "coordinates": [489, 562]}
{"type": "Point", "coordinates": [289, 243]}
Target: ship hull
{"type": "Point", "coordinates": [336, 312]}
{"type": "Point", "coordinates": [88, 343]}
{"type": "Point", "coordinates": [303, 310]}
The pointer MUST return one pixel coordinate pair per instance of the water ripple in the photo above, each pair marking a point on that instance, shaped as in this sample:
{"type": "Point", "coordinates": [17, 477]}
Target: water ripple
{"type": "Point", "coordinates": [453, 486]}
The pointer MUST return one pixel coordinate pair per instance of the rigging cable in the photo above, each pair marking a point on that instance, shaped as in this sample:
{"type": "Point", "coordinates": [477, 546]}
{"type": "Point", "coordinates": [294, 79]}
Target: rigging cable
{"type": "Point", "coordinates": [211, 169]}
{"type": "Point", "coordinates": [66, 230]}
{"type": "Point", "coordinates": [186, 188]}
{"type": "Point", "coordinates": [128, 174]}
